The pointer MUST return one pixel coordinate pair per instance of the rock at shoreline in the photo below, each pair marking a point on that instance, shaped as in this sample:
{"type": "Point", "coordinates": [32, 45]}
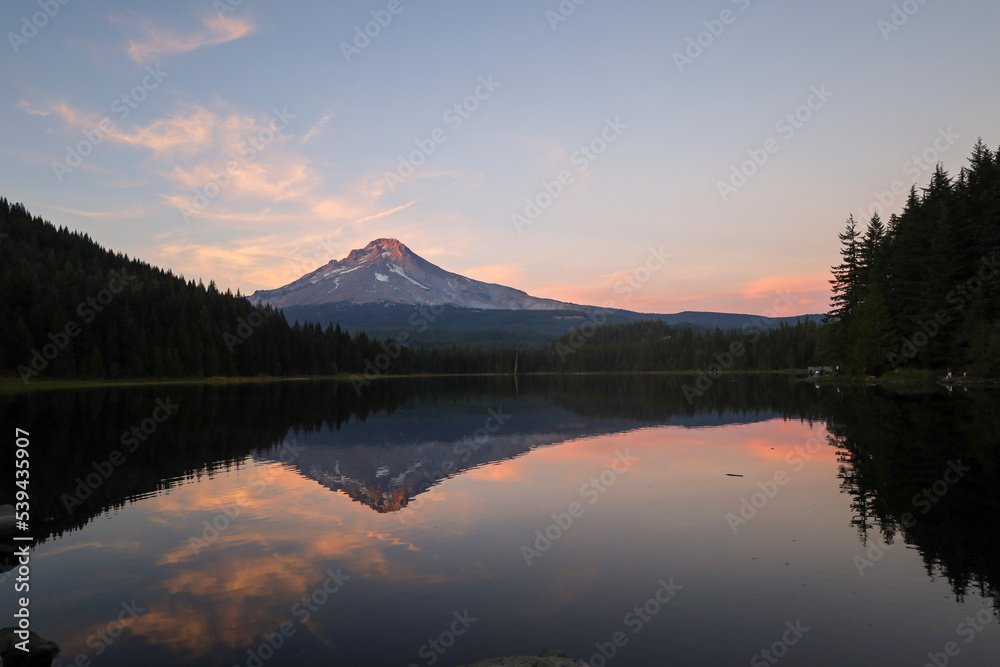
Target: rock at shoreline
{"type": "Point", "coordinates": [41, 652]}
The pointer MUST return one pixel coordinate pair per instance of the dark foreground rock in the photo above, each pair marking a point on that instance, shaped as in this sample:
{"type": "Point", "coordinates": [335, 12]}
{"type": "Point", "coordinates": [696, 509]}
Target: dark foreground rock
{"type": "Point", "coordinates": [41, 652]}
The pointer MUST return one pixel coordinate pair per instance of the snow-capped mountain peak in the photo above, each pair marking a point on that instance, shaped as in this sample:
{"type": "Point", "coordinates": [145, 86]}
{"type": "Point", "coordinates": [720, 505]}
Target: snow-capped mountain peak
{"type": "Point", "coordinates": [387, 271]}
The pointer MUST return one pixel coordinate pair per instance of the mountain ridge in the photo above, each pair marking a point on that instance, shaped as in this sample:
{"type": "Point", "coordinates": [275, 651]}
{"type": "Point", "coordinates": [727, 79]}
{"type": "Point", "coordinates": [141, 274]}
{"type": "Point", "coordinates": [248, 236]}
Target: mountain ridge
{"type": "Point", "coordinates": [387, 271]}
{"type": "Point", "coordinates": [386, 277]}
{"type": "Point", "coordinates": [385, 289]}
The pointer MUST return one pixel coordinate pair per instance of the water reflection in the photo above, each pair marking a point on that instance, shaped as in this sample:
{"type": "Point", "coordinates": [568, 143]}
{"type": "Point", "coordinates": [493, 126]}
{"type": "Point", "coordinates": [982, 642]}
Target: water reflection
{"type": "Point", "coordinates": [217, 427]}
{"type": "Point", "coordinates": [922, 468]}
{"type": "Point", "coordinates": [252, 511]}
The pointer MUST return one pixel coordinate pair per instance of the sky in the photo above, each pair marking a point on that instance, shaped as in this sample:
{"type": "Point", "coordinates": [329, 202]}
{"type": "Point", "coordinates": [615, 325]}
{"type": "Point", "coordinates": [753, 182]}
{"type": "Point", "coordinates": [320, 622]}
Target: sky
{"type": "Point", "coordinates": [703, 154]}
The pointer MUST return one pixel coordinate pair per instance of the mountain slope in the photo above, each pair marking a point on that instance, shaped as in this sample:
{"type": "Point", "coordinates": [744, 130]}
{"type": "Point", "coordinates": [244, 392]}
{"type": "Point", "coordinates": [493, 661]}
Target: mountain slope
{"type": "Point", "coordinates": [386, 290]}
{"type": "Point", "coordinates": [386, 271]}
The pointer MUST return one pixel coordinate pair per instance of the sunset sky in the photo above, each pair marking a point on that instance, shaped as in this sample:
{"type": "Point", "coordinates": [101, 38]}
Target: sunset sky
{"type": "Point", "coordinates": [250, 142]}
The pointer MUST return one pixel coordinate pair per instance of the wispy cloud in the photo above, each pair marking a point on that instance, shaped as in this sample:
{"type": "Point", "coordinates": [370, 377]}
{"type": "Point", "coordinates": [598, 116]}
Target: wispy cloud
{"type": "Point", "coordinates": [136, 212]}
{"type": "Point", "coordinates": [154, 41]}
{"type": "Point", "coordinates": [189, 131]}
{"type": "Point", "coordinates": [27, 107]}
{"type": "Point", "coordinates": [317, 129]}
{"type": "Point", "coordinates": [382, 214]}
{"type": "Point", "coordinates": [75, 118]}
{"type": "Point", "coordinates": [203, 153]}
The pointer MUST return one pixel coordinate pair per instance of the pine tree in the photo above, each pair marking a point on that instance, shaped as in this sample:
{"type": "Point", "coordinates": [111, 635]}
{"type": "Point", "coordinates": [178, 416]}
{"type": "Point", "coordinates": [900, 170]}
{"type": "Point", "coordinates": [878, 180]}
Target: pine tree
{"type": "Point", "coordinates": [846, 280]}
{"type": "Point", "coordinates": [846, 284]}
{"type": "Point", "coordinates": [872, 254]}
{"type": "Point", "coordinates": [871, 330]}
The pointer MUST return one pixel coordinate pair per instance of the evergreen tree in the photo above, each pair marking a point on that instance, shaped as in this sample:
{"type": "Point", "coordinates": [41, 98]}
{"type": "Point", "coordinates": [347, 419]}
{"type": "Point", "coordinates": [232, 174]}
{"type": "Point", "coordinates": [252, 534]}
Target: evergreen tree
{"type": "Point", "coordinates": [846, 285]}
{"type": "Point", "coordinates": [927, 292]}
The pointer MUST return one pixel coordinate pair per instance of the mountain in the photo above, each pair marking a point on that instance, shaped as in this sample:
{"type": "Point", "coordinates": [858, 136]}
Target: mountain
{"type": "Point", "coordinates": [390, 459]}
{"type": "Point", "coordinates": [386, 271]}
{"type": "Point", "coordinates": [385, 289]}
{"type": "Point", "coordinates": [375, 447]}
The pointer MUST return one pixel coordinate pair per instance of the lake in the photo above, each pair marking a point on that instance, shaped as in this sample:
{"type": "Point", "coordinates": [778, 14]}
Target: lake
{"type": "Point", "coordinates": [444, 521]}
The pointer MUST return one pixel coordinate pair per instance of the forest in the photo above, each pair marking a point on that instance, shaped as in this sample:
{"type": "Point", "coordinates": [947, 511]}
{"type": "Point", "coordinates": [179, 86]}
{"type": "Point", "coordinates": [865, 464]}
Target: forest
{"type": "Point", "coordinates": [916, 291]}
{"type": "Point", "coordinates": [920, 290]}
{"type": "Point", "coordinates": [644, 346]}
{"type": "Point", "coordinates": [73, 309]}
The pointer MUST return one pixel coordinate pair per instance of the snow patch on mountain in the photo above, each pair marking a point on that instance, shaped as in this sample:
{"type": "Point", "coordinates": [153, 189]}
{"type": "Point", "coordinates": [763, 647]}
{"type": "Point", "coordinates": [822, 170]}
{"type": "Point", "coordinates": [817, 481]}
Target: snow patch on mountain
{"type": "Point", "coordinates": [399, 271]}
{"type": "Point", "coordinates": [364, 276]}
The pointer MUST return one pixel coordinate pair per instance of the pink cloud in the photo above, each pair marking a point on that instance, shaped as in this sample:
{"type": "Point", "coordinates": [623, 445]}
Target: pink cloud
{"type": "Point", "coordinates": [156, 41]}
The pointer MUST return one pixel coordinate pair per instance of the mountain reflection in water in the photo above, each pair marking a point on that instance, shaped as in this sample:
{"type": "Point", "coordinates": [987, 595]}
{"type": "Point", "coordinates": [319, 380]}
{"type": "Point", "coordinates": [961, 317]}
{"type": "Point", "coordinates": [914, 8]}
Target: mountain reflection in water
{"type": "Point", "coordinates": [439, 459]}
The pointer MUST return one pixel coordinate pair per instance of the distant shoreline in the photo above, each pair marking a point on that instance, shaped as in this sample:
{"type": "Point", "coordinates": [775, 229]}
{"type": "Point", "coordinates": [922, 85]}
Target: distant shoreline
{"type": "Point", "coordinates": [914, 378]}
{"type": "Point", "coordinates": [11, 385]}
{"type": "Point", "coordinates": [14, 385]}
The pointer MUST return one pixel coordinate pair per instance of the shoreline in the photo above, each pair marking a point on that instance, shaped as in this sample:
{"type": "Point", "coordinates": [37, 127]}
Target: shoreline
{"type": "Point", "coordinates": [12, 385]}
{"type": "Point", "coordinates": [905, 379]}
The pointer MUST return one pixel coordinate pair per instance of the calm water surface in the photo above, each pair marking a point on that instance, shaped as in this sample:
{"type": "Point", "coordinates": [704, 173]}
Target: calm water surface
{"type": "Point", "coordinates": [443, 522]}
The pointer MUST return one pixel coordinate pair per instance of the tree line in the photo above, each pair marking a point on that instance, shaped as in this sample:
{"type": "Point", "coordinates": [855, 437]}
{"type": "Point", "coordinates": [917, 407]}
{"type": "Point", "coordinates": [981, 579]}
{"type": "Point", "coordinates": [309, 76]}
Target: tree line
{"type": "Point", "coordinates": [918, 291]}
{"type": "Point", "coordinates": [641, 346]}
{"type": "Point", "coordinates": [73, 309]}
{"type": "Point", "coordinates": [921, 290]}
